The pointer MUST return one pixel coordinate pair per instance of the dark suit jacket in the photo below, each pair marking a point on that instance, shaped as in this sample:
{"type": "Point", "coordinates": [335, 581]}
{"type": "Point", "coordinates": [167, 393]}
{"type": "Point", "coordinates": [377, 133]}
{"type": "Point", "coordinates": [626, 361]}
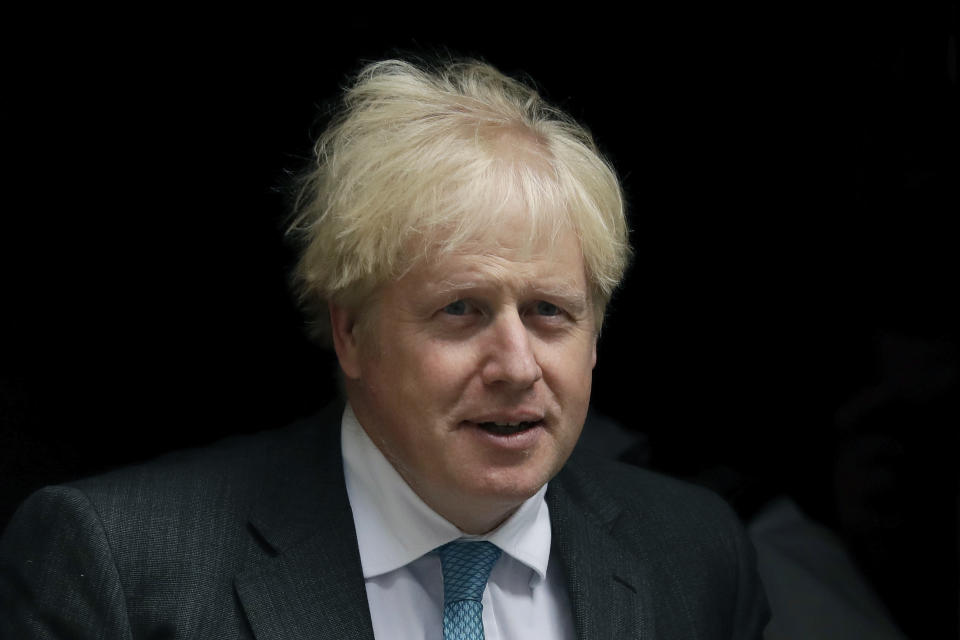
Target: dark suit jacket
{"type": "Point", "coordinates": [253, 537]}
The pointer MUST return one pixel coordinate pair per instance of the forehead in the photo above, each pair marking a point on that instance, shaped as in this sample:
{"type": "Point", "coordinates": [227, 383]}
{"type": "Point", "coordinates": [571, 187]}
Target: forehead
{"type": "Point", "coordinates": [551, 264]}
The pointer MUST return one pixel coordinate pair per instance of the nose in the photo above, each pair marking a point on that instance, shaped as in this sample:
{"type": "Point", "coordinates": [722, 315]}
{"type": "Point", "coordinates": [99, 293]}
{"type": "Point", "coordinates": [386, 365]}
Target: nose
{"type": "Point", "coordinates": [510, 358]}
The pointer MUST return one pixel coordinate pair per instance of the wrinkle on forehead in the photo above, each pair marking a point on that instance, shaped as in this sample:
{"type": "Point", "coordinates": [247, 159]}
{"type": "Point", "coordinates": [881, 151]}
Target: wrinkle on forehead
{"type": "Point", "coordinates": [523, 271]}
{"type": "Point", "coordinates": [493, 271]}
{"type": "Point", "coordinates": [511, 231]}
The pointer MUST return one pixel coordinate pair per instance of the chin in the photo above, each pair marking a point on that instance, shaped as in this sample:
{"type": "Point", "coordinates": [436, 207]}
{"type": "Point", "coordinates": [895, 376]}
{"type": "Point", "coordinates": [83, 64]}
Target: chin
{"type": "Point", "coordinates": [513, 486]}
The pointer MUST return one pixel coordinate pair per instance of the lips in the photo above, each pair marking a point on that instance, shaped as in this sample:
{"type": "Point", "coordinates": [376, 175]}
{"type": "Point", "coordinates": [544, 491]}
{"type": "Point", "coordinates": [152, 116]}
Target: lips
{"type": "Point", "coordinates": [514, 433]}
{"type": "Point", "coordinates": [507, 428]}
{"type": "Point", "coordinates": [507, 423]}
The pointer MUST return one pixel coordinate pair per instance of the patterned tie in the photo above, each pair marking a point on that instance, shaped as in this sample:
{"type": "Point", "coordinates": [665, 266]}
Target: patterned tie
{"type": "Point", "coordinates": [466, 567]}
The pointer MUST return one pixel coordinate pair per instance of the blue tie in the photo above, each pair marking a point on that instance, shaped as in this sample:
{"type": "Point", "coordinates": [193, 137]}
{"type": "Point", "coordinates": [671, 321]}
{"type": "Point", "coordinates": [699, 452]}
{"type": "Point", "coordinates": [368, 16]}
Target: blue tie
{"type": "Point", "coordinates": [466, 567]}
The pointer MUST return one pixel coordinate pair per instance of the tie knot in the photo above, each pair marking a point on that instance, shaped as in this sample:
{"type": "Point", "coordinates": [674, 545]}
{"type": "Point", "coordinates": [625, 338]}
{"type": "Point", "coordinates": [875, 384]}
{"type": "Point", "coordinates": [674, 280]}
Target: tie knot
{"type": "Point", "coordinates": [466, 567]}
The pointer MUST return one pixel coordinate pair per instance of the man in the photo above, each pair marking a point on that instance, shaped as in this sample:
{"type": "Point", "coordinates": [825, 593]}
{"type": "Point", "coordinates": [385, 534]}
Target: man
{"type": "Point", "coordinates": [461, 239]}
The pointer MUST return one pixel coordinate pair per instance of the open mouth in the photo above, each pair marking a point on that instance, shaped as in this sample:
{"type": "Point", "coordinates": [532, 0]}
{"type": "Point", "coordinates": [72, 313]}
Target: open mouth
{"type": "Point", "coordinates": [507, 428]}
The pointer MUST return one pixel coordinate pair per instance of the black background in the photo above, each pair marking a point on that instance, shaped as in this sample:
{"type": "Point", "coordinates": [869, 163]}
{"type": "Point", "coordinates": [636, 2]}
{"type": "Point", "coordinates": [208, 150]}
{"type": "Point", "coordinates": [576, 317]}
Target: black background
{"type": "Point", "coordinates": [791, 175]}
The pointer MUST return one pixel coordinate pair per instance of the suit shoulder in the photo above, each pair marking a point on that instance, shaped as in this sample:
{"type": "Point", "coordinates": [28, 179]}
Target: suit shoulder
{"type": "Point", "coordinates": [231, 463]}
{"type": "Point", "coordinates": [641, 491]}
{"type": "Point", "coordinates": [681, 535]}
{"type": "Point", "coordinates": [207, 490]}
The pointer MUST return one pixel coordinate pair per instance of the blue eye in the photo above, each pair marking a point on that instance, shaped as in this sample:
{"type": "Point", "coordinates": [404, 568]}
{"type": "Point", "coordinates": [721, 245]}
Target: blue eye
{"type": "Point", "coordinates": [547, 309]}
{"type": "Point", "coordinates": [457, 308]}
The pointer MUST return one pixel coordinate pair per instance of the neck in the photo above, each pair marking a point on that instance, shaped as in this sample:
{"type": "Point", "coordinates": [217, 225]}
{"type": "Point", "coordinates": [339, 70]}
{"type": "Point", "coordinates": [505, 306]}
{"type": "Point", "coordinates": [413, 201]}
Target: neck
{"type": "Point", "coordinates": [472, 516]}
{"type": "Point", "coordinates": [472, 525]}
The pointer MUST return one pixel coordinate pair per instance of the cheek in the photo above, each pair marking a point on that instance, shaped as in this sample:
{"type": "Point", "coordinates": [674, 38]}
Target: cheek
{"type": "Point", "coordinates": [434, 375]}
{"type": "Point", "coordinates": [573, 365]}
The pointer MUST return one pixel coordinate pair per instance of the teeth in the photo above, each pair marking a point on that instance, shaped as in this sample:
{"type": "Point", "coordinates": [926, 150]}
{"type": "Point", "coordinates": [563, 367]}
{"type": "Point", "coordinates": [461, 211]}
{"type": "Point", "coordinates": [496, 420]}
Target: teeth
{"type": "Point", "coordinates": [506, 427]}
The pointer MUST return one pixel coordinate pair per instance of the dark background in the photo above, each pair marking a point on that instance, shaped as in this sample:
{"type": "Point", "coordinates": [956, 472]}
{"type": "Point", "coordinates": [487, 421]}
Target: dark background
{"type": "Point", "coordinates": [792, 180]}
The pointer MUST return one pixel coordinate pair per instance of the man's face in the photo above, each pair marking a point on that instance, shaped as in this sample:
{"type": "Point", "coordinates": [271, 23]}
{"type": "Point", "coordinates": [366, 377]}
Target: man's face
{"type": "Point", "coordinates": [473, 376]}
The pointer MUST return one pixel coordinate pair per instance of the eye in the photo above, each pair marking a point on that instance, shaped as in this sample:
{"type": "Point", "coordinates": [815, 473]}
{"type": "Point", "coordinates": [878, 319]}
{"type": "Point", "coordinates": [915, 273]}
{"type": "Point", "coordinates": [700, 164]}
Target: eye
{"type": "Point", "coordinates": [547, 309]}
{"type": "Point", "coordinates": [457, 308]}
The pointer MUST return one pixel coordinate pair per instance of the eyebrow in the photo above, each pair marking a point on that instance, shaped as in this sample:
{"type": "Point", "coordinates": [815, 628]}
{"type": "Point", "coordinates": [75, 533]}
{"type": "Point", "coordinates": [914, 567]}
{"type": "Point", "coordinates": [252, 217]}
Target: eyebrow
{"type": "Point", "coordinates": [572, 300]}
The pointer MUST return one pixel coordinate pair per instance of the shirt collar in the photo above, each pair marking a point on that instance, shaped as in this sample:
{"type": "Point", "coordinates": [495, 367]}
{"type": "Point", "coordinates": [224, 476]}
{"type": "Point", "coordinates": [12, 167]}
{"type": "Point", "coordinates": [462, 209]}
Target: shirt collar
{"type": "Point", "coordinates": [395, 527]}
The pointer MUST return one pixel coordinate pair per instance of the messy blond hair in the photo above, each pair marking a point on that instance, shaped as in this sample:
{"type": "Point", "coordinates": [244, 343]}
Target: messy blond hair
{"type": "Point", "coordinates": [423, 160]}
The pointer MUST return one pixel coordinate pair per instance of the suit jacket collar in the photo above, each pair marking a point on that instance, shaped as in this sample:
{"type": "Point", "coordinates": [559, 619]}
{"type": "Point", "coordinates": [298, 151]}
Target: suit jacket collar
{"type": "Point", "coordinates": [311, 584]}
{"type": "Point", "coordinates": [608, 590]}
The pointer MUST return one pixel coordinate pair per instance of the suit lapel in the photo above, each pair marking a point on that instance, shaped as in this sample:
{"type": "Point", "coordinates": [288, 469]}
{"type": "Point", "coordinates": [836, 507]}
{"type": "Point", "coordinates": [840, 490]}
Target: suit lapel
{"type": "Point", "coordinates": [608, 592]}
{"type": "Point", "coordinates": [311, 585]}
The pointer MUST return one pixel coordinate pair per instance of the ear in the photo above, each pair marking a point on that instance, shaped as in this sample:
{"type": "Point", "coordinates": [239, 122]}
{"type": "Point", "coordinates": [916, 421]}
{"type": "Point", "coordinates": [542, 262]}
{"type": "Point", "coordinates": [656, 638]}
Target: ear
{"type": "Point", "coordinates": [343, 324]}
{"type": "Point", "coordinates": [593, 361]}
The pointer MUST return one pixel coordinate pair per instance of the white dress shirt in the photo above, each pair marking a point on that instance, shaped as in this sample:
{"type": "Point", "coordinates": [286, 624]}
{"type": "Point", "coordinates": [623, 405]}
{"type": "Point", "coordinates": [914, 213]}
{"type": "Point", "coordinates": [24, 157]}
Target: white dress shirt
{"type": "Point", "coordinates": [397, 533]}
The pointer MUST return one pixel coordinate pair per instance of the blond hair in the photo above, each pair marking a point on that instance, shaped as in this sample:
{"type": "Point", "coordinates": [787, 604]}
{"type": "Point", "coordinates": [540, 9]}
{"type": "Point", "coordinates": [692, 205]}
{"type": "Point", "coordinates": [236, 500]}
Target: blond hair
{"type": "Point", "coordinates": [421, 161]}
